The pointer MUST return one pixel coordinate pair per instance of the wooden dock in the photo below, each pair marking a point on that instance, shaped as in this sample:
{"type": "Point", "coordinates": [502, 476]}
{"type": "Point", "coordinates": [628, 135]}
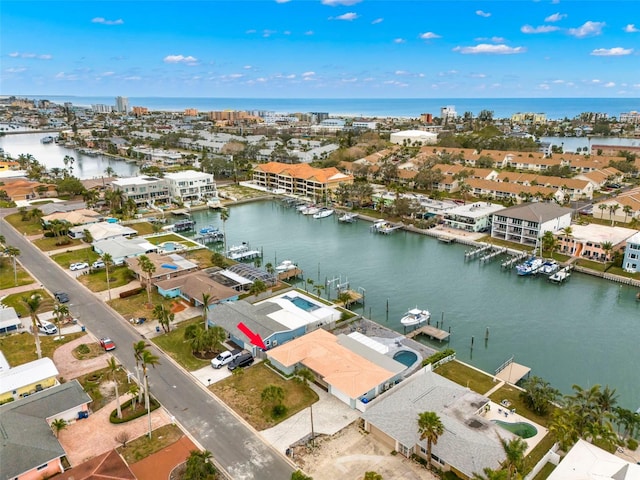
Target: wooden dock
{"type": "Point", "coordinates": [429, 331]}
{"type": "Point", "coordinates": [287, 274]}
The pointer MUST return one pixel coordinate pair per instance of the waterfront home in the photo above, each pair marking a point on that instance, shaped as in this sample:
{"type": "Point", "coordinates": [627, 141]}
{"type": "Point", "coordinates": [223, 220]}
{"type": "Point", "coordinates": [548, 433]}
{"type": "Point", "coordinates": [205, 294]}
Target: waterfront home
{"type": "Point", "coordinates": [29, 448]}
{"type": "Point", "coordinates": [587, 461]}
{"type": "Point", "coordinates": [631, 262]}
{"type": "Point", "coordinates": [299, 179]}
{"type": "Point", "coordinates": [21, 189]}
{"type": "Point", "coordinates": [143, 190]}
{"type": "Point", "coordinates": [586, 241]}
{"type": "Point", "coordinates": [469, 443]}
{"type": "Point", "coordinates": [525, 224]}
{"type": "Point", "coordinates": [192, 286]}
{"type": "Point", "coordinates": [189, 185]}
{"type": "Point", "coordinates": [167, 266]}
{"type": "Point", "coordinates": [472, 217]}
{"type": "Point", "coordinates": [100, 231]}
{"type": "Point", "coordinates": [122, 248]}
{"type": "Point", "coordinates": [347, 368]}
{"type": "Point", "coordinates": [81, 216]}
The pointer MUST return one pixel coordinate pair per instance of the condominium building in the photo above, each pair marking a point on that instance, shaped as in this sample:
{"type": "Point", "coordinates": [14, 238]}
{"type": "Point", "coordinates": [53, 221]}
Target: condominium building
{"type": "Point", "coordinates": [631, 262]}
{"type": "Point", "coordinates": [101, 108]}
{"type": "Point", "coordinates": [144, 190]}
{"type": "Point", "coordinates": [190, 185]}
{"type": "Point", "coordinates": [448, 113]}
{"type": "Point", "coordinates": [630, 117]}
{"type": "Point", "coordinates": [122, 105]}
{"type": "Point", "coordinates": [526, 223]}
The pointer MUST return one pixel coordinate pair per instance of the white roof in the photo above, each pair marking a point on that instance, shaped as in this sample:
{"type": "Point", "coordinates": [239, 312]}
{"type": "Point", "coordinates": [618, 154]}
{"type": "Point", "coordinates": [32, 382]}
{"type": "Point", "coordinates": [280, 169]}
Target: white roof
{"type": "Point", "coordinates": [27, 374]}
{"type": "Point", "coordinates": [188, 175]}
{"type": "Point", "coordinates": [415, 133]}
{"type": "Point", "coordinates": [601, 233]}
{"type": "Point", "coordinates": [8, 317]}
{"type": "Point", "coordinates": [369, 342]}
{"type": "Point", "coordinates": [475, 210]}
{"type": "Point", "coordinates": [122, 182]}
{"type": "Point", "coordinates": [588, 462]}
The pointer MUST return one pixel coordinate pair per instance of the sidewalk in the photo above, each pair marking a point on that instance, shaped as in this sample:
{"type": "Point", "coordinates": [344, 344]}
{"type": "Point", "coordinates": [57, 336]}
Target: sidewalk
{"type": "Point", "coordinates": [22, 288]}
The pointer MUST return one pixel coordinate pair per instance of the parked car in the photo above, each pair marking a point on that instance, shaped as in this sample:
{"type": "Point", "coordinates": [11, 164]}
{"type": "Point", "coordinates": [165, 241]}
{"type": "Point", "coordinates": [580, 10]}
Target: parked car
{"type": "Point", "coordinates": [243, 360]}
{"type": "Point", "coordinates": [61, 297]}
{"type": "Point", "coordinates": [107, 344]}
{"type": "Point", "coordinates": [78, 266]}
{"type": "Point", "coordinates": [47, 328]}
{"type": "Point", "coordinates": [225, 357]}
{"type": "Point", "coordinates": [97, 264]}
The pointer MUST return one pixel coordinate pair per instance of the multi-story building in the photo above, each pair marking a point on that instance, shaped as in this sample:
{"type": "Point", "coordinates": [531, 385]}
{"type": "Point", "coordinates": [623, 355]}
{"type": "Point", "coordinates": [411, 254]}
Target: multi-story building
{"type": "Point", "coordinates": [190, 185]}
{"type": "Point", "coordinates": [529, 118]}
{"type": "Point", "coordinates": [137, 111]}
{"type": "Point", "coordinates": [190, 112]}
{"type": "Point", "coordinates": [630, 117]}
{"type": "Point", "coordinates": [593, 241]}
{"type": "Point", "coordinates": [525, 224]}
{"type": "Point", "coordinates": [299, 179]}
{"type": "Point", "coordinates": [631, 262]}
{"type": "Point", "coordinates": [472, 217]}
{"type": "Point", "coordinates": [122, 105]}
{"type": "Point", "coordinates": [144, 190]}
{"type": "Point", "coordinates": [101, 108]}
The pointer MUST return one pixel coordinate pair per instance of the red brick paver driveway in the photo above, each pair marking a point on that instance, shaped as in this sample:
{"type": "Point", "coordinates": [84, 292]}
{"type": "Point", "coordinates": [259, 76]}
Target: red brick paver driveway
{"type": "Point", "coordinates": [160, 464]}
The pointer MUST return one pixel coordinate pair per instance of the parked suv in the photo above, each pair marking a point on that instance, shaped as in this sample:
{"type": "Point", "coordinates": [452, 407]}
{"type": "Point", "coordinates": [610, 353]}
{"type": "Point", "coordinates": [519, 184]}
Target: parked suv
{"type": "Point", "coordinates": [225, 357]}
{"type": "Point", "coordinates": [97, 264]}
{"type": "Point", "coordinates": [47, 328]}
{"type": "Point", "coordinates": [62, 297]}
{"type": "Point", "coordinates": [243, 360]}
{"type": "Point", "coordinates": [78, 266]}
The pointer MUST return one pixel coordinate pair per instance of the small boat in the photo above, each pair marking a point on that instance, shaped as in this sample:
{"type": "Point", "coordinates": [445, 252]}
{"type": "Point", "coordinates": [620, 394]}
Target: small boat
{"type": "Point", "coordinates": [415, 316]}
{"type": "Point", "coordinates": [323, 213]}
{"type": "Point", "coordinates": [214, 203]}
{"type": "Point", "coordinates": [183, 226]}
{"type": "Point", "coordinates": [208, 230]}
{"type": "Point", "coordinates": [302, 207]}
{"type": "Point", "coordinates": [529, 267]}
{"type": "Point", "coordinates": [348, 217]}
{"type": "Point", "coordinates": [242, 252]}
{"type": "Point", "coordinates": [549, 267]}
{"type": "Point", "coordinates": [47, 139]}
{"type": "Point", "coordinates": [285, 266]}
{"type": "Point", "coordinates": [310, 210]}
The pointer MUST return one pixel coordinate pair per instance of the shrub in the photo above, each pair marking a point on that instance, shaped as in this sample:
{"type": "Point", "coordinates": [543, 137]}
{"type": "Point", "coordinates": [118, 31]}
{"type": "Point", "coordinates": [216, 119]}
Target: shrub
{"type": "Point", "coordinates": [436, 357]}
{"type": "Point", "coordinates": [632, 444]}
{"type": "Point", "coordinates": [278, 411]}
{"type": "Point", "coordinates": [83, 349]}
{"type": "Point", "coordinates": [130, 293]}
{"type": "Point", "coordinates": [49, 234]}
{"type": "Point", "coordinates": [113, 418]}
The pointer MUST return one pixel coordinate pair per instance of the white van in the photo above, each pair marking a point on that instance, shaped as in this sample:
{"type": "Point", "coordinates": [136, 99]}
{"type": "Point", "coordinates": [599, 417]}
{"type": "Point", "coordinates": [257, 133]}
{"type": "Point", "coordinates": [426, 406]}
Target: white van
{"type": "Point", "coordinates": [47, 328]}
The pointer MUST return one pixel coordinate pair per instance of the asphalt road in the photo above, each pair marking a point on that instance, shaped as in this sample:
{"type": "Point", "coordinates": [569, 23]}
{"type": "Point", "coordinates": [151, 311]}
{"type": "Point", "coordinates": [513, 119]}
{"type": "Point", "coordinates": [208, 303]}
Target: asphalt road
{"type": "Point", "coordinates": [237, 448]}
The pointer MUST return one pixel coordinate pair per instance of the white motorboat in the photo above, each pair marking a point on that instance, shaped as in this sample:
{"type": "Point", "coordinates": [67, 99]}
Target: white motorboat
{"type": "Point", "coordinates": [285, 266]}
{"type": "Point", "coordinates": [311, 210]}
{"type": "Point", "coordinates": [323, 213]}
{"type": "Point", "coordinates": [348, 217]}
{"type": "Point", "coordinates": [529, 267]}
{"type": "Point", "coordinates": [415, 316]}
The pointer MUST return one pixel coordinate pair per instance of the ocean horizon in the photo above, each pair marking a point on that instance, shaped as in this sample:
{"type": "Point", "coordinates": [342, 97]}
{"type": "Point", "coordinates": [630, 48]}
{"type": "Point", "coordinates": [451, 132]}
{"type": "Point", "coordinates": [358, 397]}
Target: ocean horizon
{"type": "Point", "coordinates": [553, 108]}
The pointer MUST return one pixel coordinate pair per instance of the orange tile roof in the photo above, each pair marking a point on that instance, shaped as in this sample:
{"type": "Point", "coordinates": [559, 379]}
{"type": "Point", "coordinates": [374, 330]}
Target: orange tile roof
{"type": "Point", "coordinates": [505, 187]}
{"type": "Point", "coordinates": [338, 366]}
{"type": "Point", "coordinates": [304, 171]}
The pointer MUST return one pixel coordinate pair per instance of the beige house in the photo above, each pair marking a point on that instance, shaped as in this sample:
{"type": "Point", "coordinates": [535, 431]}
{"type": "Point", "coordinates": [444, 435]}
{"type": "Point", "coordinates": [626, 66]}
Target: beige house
{"type": "Point", "coordinates": [588, 241]}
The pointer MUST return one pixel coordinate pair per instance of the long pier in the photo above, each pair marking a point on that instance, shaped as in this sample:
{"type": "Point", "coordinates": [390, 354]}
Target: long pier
{"type": "Point", "coordinates": [493, 254]}
{"type": "Point", "coordinates": [513, 260]}
{"type": "Point", "coordinates": [429, 331]}
{"type": "Point", "coordinates": [472, 254]}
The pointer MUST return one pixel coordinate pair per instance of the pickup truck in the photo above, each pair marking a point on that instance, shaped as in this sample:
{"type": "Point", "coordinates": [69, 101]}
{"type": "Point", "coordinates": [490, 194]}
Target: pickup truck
{"type": "Point", "coordinates": [225, 358]}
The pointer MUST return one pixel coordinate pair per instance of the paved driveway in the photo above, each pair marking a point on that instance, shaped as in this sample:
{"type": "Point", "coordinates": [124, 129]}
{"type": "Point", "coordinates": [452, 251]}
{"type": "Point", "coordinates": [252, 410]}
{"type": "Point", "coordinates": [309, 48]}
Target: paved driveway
{"type": "Point", "coordinates": [70, 367]}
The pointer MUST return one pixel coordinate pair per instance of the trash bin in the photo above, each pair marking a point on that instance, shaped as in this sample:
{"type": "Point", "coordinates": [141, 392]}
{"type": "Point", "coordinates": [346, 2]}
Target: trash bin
{"type": "Point", "coordinates": [83, 414]}
{"type": "Point", "coordinates": [83, 328]}
{"type": "Point", "coordinates": [157, 329]}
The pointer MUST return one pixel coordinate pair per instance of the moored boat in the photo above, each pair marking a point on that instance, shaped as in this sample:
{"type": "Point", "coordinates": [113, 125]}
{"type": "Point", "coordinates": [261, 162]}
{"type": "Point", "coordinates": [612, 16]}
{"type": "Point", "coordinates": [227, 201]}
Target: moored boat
{"type": "Point", "coordinates": [529, 267]}
{"type": "Point", "coordinates": [209, 229]}
{"type": "Point", "coordinates": [415, 316]}
{"type": "Point", "coordinates": [348, 217]}
{"type": "Point", "coordinates": [323, 213]}
{"type": "Point", "coordinates": [310, 210]}
{"type": "Point", "coordinates": [285, 266]}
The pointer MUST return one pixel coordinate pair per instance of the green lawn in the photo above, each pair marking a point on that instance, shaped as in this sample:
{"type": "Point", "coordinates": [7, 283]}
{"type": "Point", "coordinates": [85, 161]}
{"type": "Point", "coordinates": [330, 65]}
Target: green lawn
{"type": "Point", "coordinates": [171, 237]}
{"type": "Point", "coordinates": [508, 392]}
{"type": "Point", "coordinates": [143, 228]}
{"type": "Point", "coordinates": [466, 376]}
{"type": "Point", "coordinates": [136, 305]}
{"type": "Point", "coordinates": [65, 259]}
{"type": "Point", "coordinates": [30, 227]}
{"type": "Point", "coordinates": [20, 348]}
{"type": "Point", "coordinates": [538, 452]}
{"type": "Point", "coordinates": [15, 300]}
{"type": "Point", "coordinates": [144, 446]}
{"type": "Point", "coordinates": [242, 392]}
{"type": "Point", "coordinates": [202, 257]}
{"type": "Point", "coordinates": [46, 244]}
{"type": "Point", "coordinates": [545, 472]}
{"type": "Point", "coordinates": [96, 280]}
{"type": "Point", "coordinates": [7, 278]}
{"type": "Point", "coordinates": [174, 345]}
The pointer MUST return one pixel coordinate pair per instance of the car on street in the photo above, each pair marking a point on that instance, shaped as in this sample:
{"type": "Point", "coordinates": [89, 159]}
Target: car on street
{"type": "Point", "coordinates": [97, 264]}
{"type": "Point", "coordinates": [47, 328]}
{"type": "Point", "coordinates": [78, 266]}
{"type": "Point", "coordinates": [107, 344]}
{"type": "Point", "coordinates": [243, 360]}
{"type": "Point", "coordinates": [61, 297]}
{"type": "Point", "coordinates": [225, 357]}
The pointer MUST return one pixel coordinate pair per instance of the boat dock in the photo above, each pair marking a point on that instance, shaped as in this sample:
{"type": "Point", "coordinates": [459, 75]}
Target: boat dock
{"type": "Point", "coordinates": [514, 260]}
{"type": "Point", "coordinates": [211, 237]}
{"type": "Point", "coordinates": [287, 274]}
{"type": "Point", "coordinates": [384, 227]}
{"type": "Point", "coordinates": [491, 255]}
{"type": "Point", "coordinates": [561, 275]}
{"type": "Point", "coordinates": [472, 254]}
{"type": "Point", "coordinates": [446, 239]}
{"type": "Point", "coordinates": [243, 252]}
{"type": "Point", "coordinates": [348, 217]}
{"type": "Point", "coordinates": [429, 331]}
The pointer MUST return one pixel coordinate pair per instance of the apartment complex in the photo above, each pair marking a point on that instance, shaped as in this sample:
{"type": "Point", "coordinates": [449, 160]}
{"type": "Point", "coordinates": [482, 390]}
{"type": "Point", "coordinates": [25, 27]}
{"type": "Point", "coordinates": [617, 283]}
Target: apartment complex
{"type": "Point", "coordinates": [122, 105]}
{"type": "Point", "coordinates": [144, 190]}
{"type": "Point", "coordinates": [190, 185]}
{"type": "Point", "coordinates": [525, 224]}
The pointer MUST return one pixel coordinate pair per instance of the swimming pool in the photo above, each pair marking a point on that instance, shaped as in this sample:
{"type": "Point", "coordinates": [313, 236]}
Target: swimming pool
{"type": "Point", "coordinates": [405, 357]}
{"type": "Point", "coordinates": [521, 429]}
{"type": "Point", "coordinates": [303, 303]}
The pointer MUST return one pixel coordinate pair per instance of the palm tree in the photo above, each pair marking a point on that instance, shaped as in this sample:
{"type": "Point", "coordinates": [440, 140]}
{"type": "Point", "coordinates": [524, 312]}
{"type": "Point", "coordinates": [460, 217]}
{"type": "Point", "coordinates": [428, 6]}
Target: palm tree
{"type": "Point", "coordinates": [430, 428]}
{"type": "Point", "coordinates": [13, 252]}
{"type": "Point", "coordinates": [33, 305]}
{"type": "Point", "coordinates": [147, 266]}
{"type": "Point", "coordinates": [108, 262]}
{"type": "Point", "coordinates": [490, 474]}
{"type": "Point", "coordinates": [607, 247]}
{"type": "Point", "coordinates": [269, 268]}
{"type": "Point", "coordinates": [134, 391]}
{"type": "Point", "coordinates": [612, 210]}
{"type": "Point", "coordinates": [548, 241]}
{"type": "Point", "coordinates": [60, 311]}
{"type": "Point", "coordinates": [138, 348]}
{"type": "Point", "coordinates": [602, 207]}
{"type": "Point", "coordinates": [199, 465]}
{"type": "Point", "coordinates": [148, 359]}
{"type": "Point", "coordinates": [224, 216]}
{"type": "Point", "coordinates": [58, 425]}
{"type": "Point", "coordinates": [206, 300]}
{"type": "Point", "coordinates": [305, 376]}
{"type": "Point", "coordinates": [514, 450]}
{"type": "Point", "coordinates": [113, 367]}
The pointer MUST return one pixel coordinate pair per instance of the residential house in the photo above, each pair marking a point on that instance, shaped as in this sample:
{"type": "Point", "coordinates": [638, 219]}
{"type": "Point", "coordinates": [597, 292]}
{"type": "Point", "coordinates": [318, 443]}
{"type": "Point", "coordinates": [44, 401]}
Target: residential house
{"type": "Point", "coordinates": [601, 177]}
{"type": "Point", "coordinates": [514, 192]}
{"type": "Point", "coordinates": [192, 286]}
{"type": "Point", "coordinates": [299, 179]}
{"type": "Point", "coordinates": [572, 188]}
{"type": "Point", "coordinates": [102, 231]}
{"type": "Point", "coordinates": [349, 370]}
{"type": "Point", "coordinates": [81, 216]}
{"type": "Point", "coordinates": [469, 443]}
{"type": "Point", "coordinates": [472, 217]}
{"type": "Point", "coordinates": [166, 267]}
{"type": "Point", "coordinates": [9, 320]}
{"type": "Point", "coordinates": [589, 241]}
{"type": "Point", "coordinates": [109, 465]}
{"type": "Point", "coordinates": [532, 161]}
{"type": "Point", "coordinates": [525, 224]}
{"type": "Point", "coordinates": [144, 190]}
{"type": "Point", "coordinates": [29, 449]}
{"type": "Point", "coordinates": [189, 185]}
{"type": "Point", "coordinates": [21, 189]}
{"type": "Point", "coordinates": [631, 261]}
{"type": "Point", "coordinates": [26, 379]}
{"type": "Point", "coordinates": [122, 248]}
{"type": "Point", "coordinates": [623, 208]}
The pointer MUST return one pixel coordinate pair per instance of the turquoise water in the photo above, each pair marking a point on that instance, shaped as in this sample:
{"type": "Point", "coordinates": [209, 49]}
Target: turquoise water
{"type": "Point", "coordinates": [583, 332]}
{"type": "Point", "coordinates": [405, 357]}
{"type": "Point", "coordinates": [521, 429]}
{"type": "Point", "coordinates": [303, 303]}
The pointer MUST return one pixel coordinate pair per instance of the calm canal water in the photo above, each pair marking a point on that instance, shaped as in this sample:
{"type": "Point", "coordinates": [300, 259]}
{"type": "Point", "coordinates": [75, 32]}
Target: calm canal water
{"type": "Point", "coordinates": [584, 332]}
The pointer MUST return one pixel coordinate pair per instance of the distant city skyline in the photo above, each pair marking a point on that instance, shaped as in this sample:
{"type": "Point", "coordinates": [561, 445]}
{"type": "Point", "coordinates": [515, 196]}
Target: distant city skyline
{"type": "Point", "coordinates": [321, 48]}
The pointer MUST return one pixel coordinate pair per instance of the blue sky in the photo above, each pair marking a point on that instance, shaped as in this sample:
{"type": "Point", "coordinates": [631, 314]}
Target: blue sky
{"type": "Point", "coordinates": [321, 48]}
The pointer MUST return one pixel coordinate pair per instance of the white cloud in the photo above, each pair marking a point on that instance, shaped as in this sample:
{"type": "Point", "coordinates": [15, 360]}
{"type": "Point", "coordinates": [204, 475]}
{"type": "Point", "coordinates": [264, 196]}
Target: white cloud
{"type": "Point", "coordinates": [556, 17]}
{"type": "Point", "coordinates": [235, 75]}
{"type": "Point", "coordinates": [107, 74]}
{"type": "Point", "coordinates": [287, 32]}
{"type": "Point", "coordinates": [396, 83]}
{"type": "Point", "coordinates": [377, 20]}
{"type": "Point", "coordinates": [482, 14]}
{"type": "Point", "coordinates": [346, 3]}
{"type": "Point", "coordinates": [399, 40]}
{"type": "Point", "coordinates": [253, 30]}
{"type": "Point", "coordinates": [290, 77]}
{"type": "Point", "coordinates": [16, 70]}
{"type": "Point", "coordinates": [401, 72]}
{"type": "Point", "coordinates": [349, 80]}
{"type": "Point", "coordinates": [491, 49]}
{"type": "Point", "coordinates": [631, 28]}
{"type": "Point", "coordinates": [349, 16]}
{"type": "Point", "coordinates": [267, 33]}
{"type": "Point", "coordinates": [478, 75]}
{"type": "Point", "coordinates": [104, 21]}
{"type": "Point", "coordinates": [612, 52]}
{"type": "Point", "coordinates": [559, 81]}
{"type": "Point", "coordinates": [309, 32]}
{"type": "Point", "coordinates": [188, 60]}
{"type": "Point", "coordinates": [14, 54]}
{"type": "Point", "coordinates": [283, 1]}
{"type": "Point", "coordinates": [37, 56]}
{"type": "Point", "coordinates": [609, 85]}
{"type": "Point", "coordinates": [544, 86]}
{"type": "Point", "coordinates": [596, 81]}
{"type": "Point", "coordinates": [308, 74]}
{"type": "Point", "coordinates": [429, 35]}
{"type": "Point", "coordinates": [492, 39]}
{"type": "Point", "coordinates": [588, 29]}
{"type": "Point", "coordinates": [539, 29]}
{"type": "Point", "coordinates": [134, 78]}
{"type": "Point", "coordinates": [247, 67]}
